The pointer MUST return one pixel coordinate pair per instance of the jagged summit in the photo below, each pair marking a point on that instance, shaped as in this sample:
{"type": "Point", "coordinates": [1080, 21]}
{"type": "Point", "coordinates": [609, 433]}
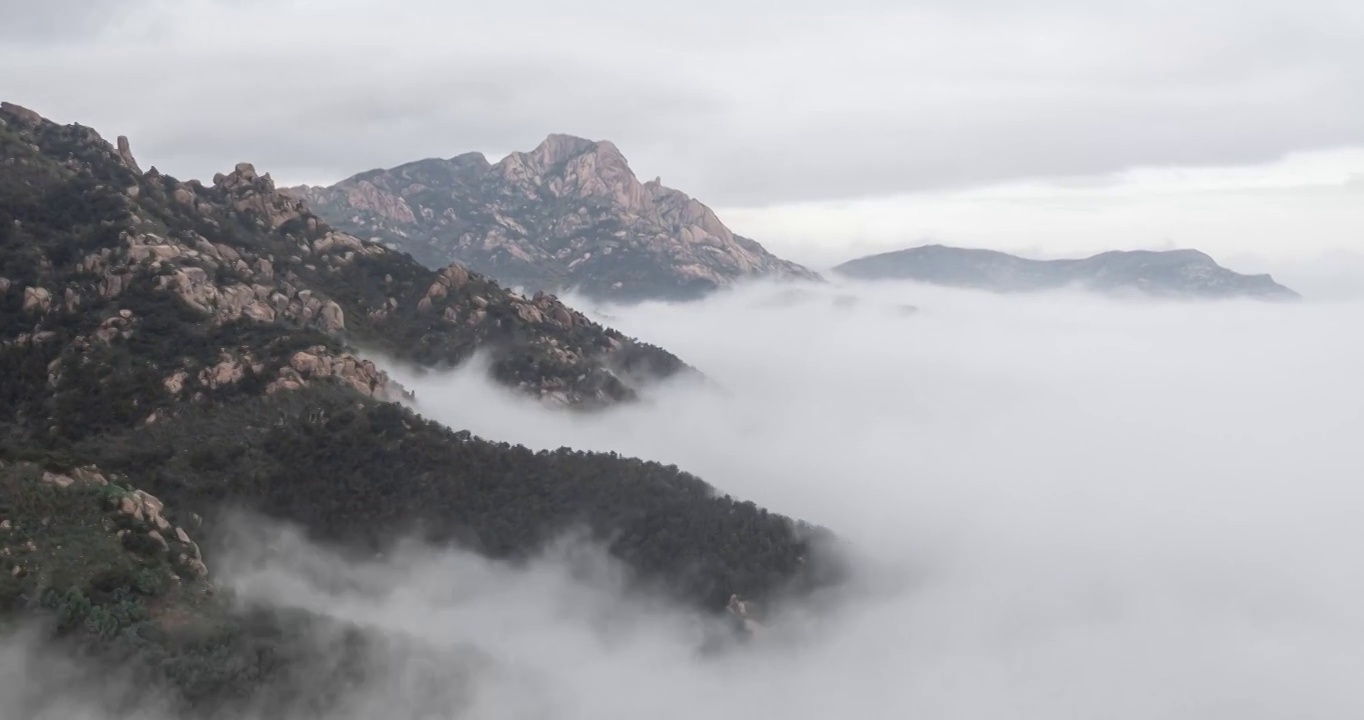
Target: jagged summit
{"type": "Point", "coordinates": [558, 148]}
{"type": "Point", "coordinates": [569, 214]}
{"type": "Point", "coordinates": [1183, 272]}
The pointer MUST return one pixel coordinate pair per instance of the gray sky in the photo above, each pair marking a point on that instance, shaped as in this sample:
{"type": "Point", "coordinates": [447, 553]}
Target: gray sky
{"type": "Point", "coordinates": [754, 106]}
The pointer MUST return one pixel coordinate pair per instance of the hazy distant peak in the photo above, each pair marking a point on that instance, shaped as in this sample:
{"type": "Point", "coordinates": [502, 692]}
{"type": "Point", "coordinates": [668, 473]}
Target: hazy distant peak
{"type": "Point", "coordinates": [1180, 272]}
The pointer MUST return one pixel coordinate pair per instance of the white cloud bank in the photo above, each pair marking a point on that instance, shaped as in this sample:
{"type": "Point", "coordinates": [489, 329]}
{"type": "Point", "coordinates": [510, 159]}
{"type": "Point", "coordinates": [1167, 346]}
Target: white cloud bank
{"type": "Point", "coordinates": [1120, 510]}
{"type": "Point", "coordinates": [1105, 510]}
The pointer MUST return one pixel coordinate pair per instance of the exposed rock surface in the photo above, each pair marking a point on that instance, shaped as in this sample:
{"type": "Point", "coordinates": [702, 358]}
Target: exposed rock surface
{"type": "Point", "coordinates": [92, 524]}
{"type": "Point", "coordinates": [568, 215]}
{"type": "Point", "coordinates": [318, 362]}
{"type": "Point", "coordinates": [1188, 273]}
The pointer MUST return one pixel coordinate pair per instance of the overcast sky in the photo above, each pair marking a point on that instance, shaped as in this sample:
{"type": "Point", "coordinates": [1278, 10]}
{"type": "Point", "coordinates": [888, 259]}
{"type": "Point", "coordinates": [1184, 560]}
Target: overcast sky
{"type": "Point", "coordinates": [811, 125]}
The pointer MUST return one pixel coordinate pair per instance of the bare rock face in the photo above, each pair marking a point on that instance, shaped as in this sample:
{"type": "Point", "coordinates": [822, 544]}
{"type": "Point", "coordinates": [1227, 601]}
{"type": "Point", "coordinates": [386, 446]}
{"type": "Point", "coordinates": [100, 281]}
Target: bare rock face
{"type": "Point", "coordinates": [21, 115]}
{"type": "Point", "coordinates": [568, 215]}
{"type": "Point", "coordinates": [125, 152]}
{"type": "Point", "coordinates": [249, 191]}
{"type": "Point", "coordinates": [37, 300]}
{"type": "Point", "coordinates": [333, 319]}
{"type": "Point", "coordinates": [368, 198]}
{"type": "Point", "coordinates": [317, 363]}
{"type": "Point", "coordinates": [227, 372]}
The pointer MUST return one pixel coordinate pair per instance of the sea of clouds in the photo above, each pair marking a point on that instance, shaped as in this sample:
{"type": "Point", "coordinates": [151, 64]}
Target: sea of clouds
{"type": "Point", "coordinates": [1066, 506]}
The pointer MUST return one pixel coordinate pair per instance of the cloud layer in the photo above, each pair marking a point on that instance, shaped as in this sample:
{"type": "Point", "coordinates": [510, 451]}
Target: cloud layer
{"type": "Point", "coordinates": [1066, 506]}
{"type": "Point", "coordinates": [1103, 509]}
{"type": "Point", "coordinates": [1107, 509]}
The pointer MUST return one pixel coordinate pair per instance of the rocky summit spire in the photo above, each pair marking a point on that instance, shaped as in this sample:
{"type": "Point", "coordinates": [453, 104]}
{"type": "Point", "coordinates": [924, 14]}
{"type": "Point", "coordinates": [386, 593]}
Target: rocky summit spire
{"type": "Point", "coordinates": [125, 151]}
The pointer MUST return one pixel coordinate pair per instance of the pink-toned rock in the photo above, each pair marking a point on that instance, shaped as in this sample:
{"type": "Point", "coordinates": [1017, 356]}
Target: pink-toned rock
{"type": "Point", "coordinates": [61, 481]}
{"type": "Point", "coordinates": [19, 114]}
{"type": "Point", "coordinates": [529, 313]}
{"type": "Point", "coordinates": [125, 153]}
{"type": "Point", "coordinates": [175, 383]}
{"type": "Point", "coordinates": [37, 299]}
{"type": "Point", "coordinates": [333, 319]}
{"type": "Point", "coordinates": [227, 372]}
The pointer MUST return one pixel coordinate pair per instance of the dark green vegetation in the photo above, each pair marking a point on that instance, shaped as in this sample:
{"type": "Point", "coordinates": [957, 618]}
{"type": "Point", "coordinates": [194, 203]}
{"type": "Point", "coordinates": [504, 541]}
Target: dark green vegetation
{"type": "Point", "coordinates": [153, 329]}
{"type": "Point", "coordinates": [1171, 273]}
{"type": "Point", "coordinates": [147, 627]}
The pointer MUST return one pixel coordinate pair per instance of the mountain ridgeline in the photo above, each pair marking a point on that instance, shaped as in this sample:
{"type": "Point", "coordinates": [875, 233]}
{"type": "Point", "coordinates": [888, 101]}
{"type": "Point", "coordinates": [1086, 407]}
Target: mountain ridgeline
{"type": "Point", "coordinates": [569, 215]}
{"type": "Point", "coordinates": [1170, 273]}
{"type": "Point", "coordinates": [169, 350]}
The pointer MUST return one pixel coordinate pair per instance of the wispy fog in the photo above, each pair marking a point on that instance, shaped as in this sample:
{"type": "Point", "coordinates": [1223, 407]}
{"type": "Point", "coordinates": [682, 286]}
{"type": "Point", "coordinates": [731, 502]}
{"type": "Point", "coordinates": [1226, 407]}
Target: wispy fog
{"type": "Point", "coordinates": [1083, 508]}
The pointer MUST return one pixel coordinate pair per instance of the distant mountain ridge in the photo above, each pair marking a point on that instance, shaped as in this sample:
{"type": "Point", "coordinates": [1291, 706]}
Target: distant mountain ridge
{"type": "Point", "coordinates": [1186, 272]}
{"type": "Point", "coordinates": [569, 215]}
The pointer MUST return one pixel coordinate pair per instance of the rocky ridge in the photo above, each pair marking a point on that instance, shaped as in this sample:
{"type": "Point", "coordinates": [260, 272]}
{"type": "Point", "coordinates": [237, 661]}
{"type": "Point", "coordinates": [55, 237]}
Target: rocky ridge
{"type": "Point", "coordinates": [241, 250]}
{"type": "Point", "coordinates": [568, 215]}
{"type": "Point", "coordinates": [1170, 273]}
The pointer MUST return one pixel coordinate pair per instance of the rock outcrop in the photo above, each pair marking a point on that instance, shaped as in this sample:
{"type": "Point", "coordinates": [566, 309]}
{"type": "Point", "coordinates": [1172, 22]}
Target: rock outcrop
{"type": "Point", "coordinates": [92, 513]}
{"type": "Point", "coordinates": [317, 363]}
{"type": "Point", "coordinates": [1173, 273]}
{"type": "Point", "coordinates": [568, 215]}
{"type": "Point", "coordinates": [125, 153]}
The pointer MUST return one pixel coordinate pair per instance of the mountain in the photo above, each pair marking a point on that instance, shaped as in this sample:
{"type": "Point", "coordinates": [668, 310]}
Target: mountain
{"type": "Point", "coordinates": [172, 353]}
{"type": "Point", "coordinates": [1187, 273]}
{"type": "Point", "coordinates": [568, 215]}
{"type": "Point", "coordinates": [239, 249]}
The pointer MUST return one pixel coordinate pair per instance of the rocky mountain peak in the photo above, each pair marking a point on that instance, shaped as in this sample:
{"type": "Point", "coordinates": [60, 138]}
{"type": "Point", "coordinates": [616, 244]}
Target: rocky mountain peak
{"type": "Point", "coordinates": [21, 115]}
{"type": "Point", "coordinates": [568, 215]}
{"type": "Point", "coordinates": [249, 191]}
{"type": "Point", "coordinates": [556, 149]}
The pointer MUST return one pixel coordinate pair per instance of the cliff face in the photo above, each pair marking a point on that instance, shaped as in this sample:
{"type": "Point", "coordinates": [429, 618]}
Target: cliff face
{"type": "Point", "coordinates": [1174, 273]}
{"type": "Point", "coordinates": [569, 214]}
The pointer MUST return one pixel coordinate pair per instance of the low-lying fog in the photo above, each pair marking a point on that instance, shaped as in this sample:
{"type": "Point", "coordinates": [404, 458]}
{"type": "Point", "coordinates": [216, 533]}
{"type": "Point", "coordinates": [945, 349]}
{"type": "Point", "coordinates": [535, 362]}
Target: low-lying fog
{"type": "Point", "coordinates": [1106, 508]}
{"type": "Point", "coordinates": [1092, 508]}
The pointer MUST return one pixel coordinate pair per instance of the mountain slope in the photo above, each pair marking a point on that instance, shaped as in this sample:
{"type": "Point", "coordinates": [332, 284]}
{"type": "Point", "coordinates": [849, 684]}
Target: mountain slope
{"type": "Point", "coordinates": [240, 249]}
{"type": "Point", "coordinates": [183, 348]}
{"type": "Point", "coordinates": [569, 214]}
{"type": "Point", "coordinates": [1168, 273]}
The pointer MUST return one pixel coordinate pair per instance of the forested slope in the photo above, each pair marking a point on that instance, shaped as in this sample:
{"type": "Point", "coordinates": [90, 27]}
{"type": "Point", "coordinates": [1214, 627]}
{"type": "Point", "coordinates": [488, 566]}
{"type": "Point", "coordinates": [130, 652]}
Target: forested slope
{"type": "Point", "coordinates": [169, 352]}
